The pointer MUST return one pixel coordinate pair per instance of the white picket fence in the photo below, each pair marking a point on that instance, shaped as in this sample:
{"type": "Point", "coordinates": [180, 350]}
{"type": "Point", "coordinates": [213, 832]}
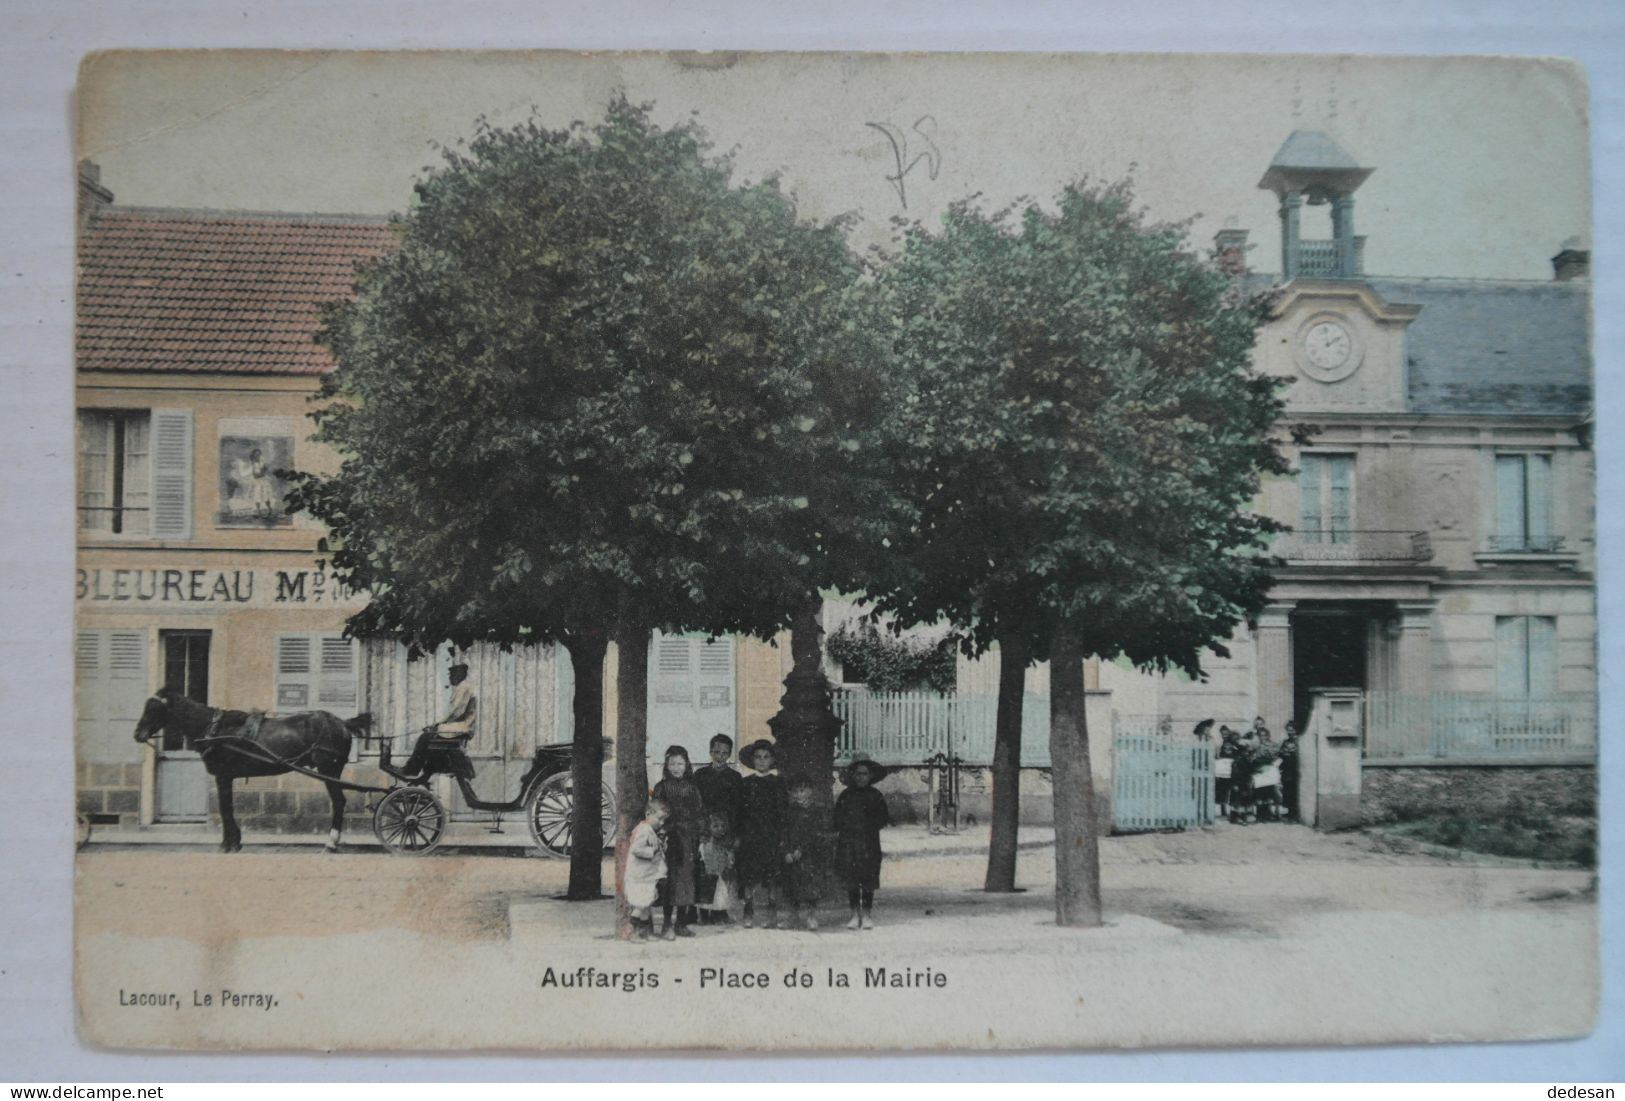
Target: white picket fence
{"type": "Point", "coordinates": [1160, 779]}
{"type": "Point", "coordinates": [1455, 724]}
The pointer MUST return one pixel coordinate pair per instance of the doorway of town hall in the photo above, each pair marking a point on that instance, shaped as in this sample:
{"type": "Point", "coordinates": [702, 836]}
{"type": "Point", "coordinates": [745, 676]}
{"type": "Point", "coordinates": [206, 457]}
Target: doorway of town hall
{"type": "Point", "coordinates": [1345, 645]}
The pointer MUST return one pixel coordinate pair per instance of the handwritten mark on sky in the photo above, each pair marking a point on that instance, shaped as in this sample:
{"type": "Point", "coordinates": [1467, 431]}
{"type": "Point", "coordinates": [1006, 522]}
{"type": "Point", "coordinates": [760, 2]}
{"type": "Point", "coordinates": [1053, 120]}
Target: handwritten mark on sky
{"type": "Point", "coordinates": [923, 128]}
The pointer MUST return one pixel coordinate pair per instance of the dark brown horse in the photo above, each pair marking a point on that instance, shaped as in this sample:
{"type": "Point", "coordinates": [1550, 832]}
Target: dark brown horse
{"type": "Point", "coordinates": [236, 744]}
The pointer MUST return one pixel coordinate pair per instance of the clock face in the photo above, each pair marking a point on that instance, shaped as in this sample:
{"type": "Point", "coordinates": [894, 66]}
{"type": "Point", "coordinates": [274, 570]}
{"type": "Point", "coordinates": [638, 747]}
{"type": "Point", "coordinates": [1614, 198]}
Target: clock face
{"type": "Point", "coordinates": [1328, 349]}
{"type": "Point", "coordinates": [1328, 345]}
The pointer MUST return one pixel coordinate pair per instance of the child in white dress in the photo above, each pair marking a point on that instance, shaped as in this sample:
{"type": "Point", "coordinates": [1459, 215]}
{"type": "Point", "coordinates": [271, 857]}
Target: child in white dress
{"type": "Point", "coordinates": [719, 885]}
{"type": "Point", "coordinates": [645, 868]}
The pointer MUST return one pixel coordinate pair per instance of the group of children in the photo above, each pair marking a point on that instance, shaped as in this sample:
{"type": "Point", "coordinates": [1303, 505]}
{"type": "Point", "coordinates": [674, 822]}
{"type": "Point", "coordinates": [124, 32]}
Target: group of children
{"type": "Point", "coordinates": [712, 839]}
{"type": "Point", "coordinates": [1254, 779]}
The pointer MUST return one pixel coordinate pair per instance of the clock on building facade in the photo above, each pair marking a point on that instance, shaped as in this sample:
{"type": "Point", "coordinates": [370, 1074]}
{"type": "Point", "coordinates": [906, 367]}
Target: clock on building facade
{"type": "Point", "coordinates": [1328, 348]}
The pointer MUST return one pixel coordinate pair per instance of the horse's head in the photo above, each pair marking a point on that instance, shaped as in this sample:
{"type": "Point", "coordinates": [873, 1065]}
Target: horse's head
{"type": "Point", "coordinates": [154, 716]}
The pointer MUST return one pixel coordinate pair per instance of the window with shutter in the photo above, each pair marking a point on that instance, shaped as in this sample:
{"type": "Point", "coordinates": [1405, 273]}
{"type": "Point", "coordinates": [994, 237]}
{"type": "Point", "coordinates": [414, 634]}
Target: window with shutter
{"type": "Point", "coordinates": [114, 471]}
{"type": "Point", "coordinates": [1525, 657]}
{"type": "Point", "coordinates": [172, 473]}
{"type": "Point", "coordinates": [293, 673]}
{"type": "Point", "coordinates": [336, 689]}
{"type": "Point", "coordinates": [1523, 504]}
{"type": "Point", "coordinates": [318, 672]}
{"type": "Point", "coordinates": [1325, 498]}
{"type": "Point", "coordinates": [111, 690]}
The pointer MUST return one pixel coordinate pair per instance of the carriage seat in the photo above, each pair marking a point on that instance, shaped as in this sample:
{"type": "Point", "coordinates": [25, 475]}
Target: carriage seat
{"type": "Point", "coordinates": [447, 755]}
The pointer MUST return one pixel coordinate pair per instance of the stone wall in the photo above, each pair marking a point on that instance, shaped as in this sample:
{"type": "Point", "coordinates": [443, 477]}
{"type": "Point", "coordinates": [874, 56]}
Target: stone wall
{"type": "Point", "coordinates": [1391, 793]}
{"type": "Point", "coordinates": [109, 794]}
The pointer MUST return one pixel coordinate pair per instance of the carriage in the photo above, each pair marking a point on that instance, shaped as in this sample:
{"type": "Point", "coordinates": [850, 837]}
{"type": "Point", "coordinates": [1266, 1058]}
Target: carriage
{"type": "Point", "coordinates": [411, 820]}
{"type": "Point", "coordinates": [408, 816]}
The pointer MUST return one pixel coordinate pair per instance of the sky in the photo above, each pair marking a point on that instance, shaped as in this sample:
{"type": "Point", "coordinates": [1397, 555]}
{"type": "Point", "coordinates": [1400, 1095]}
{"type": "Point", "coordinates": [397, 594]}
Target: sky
{"type": "Point", "coordinates": [1481, 163]}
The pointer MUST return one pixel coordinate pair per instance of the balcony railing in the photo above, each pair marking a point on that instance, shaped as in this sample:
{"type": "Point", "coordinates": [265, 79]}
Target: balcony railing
{"type": "Point", "coordinates": [1318, 259]}
{"type": "Point", "coordinates": [1359, 547]}
{"type": "Point", "coordinates": [1526, 544]}
{"type": "Point", "coordinates": [1451, 724]}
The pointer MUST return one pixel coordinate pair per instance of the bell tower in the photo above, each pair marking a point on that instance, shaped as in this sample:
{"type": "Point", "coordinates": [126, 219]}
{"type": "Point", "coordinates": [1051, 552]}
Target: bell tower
{"type": "Point", "coordinates": [1312, 169]}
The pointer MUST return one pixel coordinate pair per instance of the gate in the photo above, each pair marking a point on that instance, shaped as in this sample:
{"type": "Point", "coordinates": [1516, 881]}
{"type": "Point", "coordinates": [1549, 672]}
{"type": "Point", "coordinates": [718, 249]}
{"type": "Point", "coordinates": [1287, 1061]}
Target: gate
{"type": "Point", "coordinates": [1160, 780]}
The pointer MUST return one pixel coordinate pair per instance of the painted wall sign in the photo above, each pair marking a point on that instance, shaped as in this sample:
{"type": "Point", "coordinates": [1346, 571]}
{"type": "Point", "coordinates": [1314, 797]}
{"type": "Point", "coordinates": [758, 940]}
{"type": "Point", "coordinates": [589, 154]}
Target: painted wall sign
{"type": "Point", "coordinates": [198, 589]}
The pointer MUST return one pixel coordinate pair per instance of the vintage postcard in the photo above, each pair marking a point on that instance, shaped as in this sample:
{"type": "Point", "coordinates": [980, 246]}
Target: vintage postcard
{"type": "Point", "coordinates": [833, 551]}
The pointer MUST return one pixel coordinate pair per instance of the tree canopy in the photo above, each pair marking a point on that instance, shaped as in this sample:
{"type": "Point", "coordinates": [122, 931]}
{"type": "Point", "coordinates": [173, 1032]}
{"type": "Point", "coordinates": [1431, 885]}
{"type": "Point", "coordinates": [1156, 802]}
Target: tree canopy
{"type": "Point", "coordinates": [599, 389]}
{"type": "Point", "coordinates": [596, 370]}
{"type": "Point", "coordinates": [1082, 433]}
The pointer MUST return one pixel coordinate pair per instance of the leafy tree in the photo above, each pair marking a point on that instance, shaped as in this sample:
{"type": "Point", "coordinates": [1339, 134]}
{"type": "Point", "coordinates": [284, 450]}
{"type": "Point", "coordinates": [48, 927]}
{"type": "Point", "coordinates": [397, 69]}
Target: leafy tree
{"type": "Point", "coordinates": [599, 389]}
{"type": "Point", "coordinates": [1082, 435]}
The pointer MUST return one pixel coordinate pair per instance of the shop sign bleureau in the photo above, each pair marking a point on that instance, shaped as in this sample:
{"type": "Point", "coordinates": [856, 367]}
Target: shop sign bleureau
{"type": "Point", "coordinates": [188, 589]}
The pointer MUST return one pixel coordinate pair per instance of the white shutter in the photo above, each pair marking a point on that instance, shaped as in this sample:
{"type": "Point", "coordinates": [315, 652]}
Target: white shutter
{"type": "Point", "coordinates": [111, 681]}
{"type": "Point", "coordinates": [1538, 501]}
{"type": "Point", "coordinates": [1542, 657]}
{"type": "Point", "coordinates": [337, 688]}
{"type": "Point", "coordinates": [1509, 503]}
{"type": "Point", "coordinates": [295, 675]}
{"type": "Point", "coordinates": [90, 690]}
{"type": "Point", "coordinates": [172, 474]}
{"type": "Point", "coordinates": [1309, 480]}
{"type": "Point", "coordinates": [1512, 657]}
{"type": "Point", "coordinates": [1340, 496]}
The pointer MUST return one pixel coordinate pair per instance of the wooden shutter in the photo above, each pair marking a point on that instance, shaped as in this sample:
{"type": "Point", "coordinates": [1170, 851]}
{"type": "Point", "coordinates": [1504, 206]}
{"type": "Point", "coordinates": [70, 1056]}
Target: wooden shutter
{"type": "Point", "coordinates": [1340, 496]}
{"type": "Point", "coordinates": [1509, 502]}
{"type": "Point", "coordinates": [1309, 479]}
{"type": "Point", "coordinates": [295, 675]}
{"type": "Point", "coordinates": [337, 687]}
{"type": "Point", "coordinates": [1542, 676]}
{"type": "Point", "coordinates": [1512, 656]}
{"type": "Point", "coordinates": [90, 689]}
{"type": "Point", "coordinates": [111, 689]}
{"type": "Point", "coordinates": [172, 474]}
{"type": "Point", "coordinates": [1538, 500]}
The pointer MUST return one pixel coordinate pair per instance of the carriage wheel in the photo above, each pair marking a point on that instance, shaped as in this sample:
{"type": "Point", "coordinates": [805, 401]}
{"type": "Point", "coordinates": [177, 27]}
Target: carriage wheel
{"type": "Point", "coordinates": [410, 821]}
{"type": "Point", "coordinates": [549, 814]}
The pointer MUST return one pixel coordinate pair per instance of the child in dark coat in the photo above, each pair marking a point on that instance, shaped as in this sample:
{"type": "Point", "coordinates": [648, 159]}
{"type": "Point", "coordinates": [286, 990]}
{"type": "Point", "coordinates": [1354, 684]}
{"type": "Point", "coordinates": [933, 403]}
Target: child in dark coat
{"type": "Point", "coordinates": [860, 815]}
{"type": "Point", "coordinates": [683, 832]}
{"type": "Point", "coordinates": [764, 805]}
{"type": "Point", "coordinates": [718, 781]}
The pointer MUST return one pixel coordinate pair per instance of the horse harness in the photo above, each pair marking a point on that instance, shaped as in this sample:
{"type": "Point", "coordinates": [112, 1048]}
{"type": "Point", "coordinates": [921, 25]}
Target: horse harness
{"type": "Point", "coordinates": [246, 740]}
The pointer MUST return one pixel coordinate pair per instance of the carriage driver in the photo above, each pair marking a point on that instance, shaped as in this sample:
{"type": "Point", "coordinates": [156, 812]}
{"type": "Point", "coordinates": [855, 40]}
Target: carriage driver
{"type": "Point", "coordinates": [458, 723]}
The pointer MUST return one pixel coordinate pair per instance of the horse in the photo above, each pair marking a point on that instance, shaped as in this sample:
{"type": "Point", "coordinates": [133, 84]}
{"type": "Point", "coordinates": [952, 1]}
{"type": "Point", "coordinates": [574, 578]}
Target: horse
{"type": "Point", "coordinates": [237, 744]}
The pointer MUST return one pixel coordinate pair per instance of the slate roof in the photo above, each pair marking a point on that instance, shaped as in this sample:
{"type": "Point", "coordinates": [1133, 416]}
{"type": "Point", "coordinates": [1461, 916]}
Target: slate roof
{"type": "Point", "coordinates": [217, 291]}
{"type": "Point", "coordinates": [1312, 149]}
{"type": "Point", "coordinates": [1481, 347]}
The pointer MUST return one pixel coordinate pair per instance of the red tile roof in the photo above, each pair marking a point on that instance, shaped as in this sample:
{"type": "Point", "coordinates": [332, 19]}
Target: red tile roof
{"type": "Point", "coordinates": [182, 290]}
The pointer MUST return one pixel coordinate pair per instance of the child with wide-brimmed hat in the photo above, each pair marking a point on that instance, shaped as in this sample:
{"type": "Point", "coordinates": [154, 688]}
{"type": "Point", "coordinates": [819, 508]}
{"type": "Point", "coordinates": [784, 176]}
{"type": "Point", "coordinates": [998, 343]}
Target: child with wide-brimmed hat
{"type": "Point", "coordinates": [764, 805]}
{"type": "Point", "coordinates": [860, 815]}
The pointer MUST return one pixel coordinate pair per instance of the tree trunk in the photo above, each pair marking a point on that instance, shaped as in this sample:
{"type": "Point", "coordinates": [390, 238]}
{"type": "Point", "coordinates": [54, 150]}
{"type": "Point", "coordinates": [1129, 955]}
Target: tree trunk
{"type": "Point", "coordinates": [586, 767]}
{"type": "Point", "coordinates": [1001, 854]}
{"type": "Point", "coordinates": [631, 748]}
{"type": "Point", "coordinates": [804, 730]}
{"type": "Point", "coordinates": [1077, 841]}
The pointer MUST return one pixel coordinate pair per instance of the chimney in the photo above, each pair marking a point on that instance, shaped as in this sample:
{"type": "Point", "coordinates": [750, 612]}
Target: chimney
{"type": "Point", "coordinates": [92, 195]}
{"type": "Point", "coordinates": [1572, 262]}
{"type": "Point", "coordinates": [1230, 248]}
